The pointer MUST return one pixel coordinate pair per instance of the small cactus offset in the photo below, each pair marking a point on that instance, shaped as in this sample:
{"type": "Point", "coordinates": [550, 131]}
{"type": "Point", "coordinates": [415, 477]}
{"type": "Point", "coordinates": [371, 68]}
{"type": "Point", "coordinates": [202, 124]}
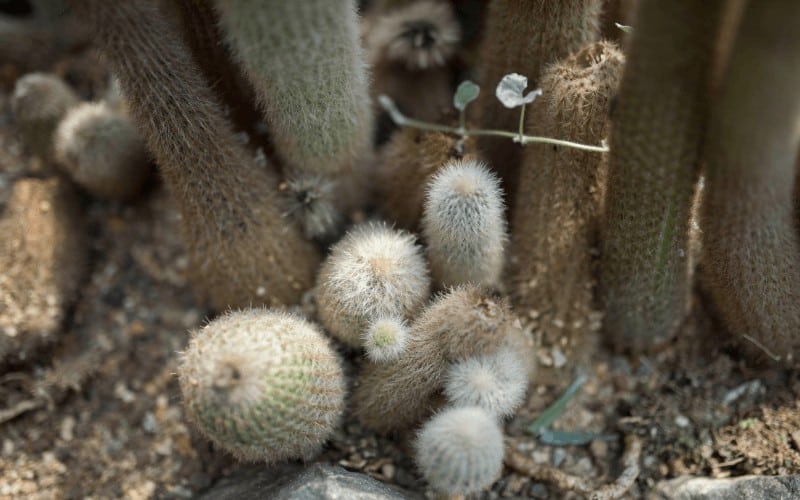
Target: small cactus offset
{"type": "Point", "coordinates": [460, 450]}
{"type": "Point", "coordinates": [39, 102]}
{"type": "Point", "coordinates": [496, 382]}
{"type": "Point", "coordinates": [307, 68]}
{"type": "Point", "coordinates": [461, 324]}
{"type": "Point", "coordinates": [386, 339]}
{"type": "Point", "coordinates": [265, 386]}
{"type": "Point", "coordinates": [406, 165]}
{"type": "Point", "coordinates": [374, 271]}
{"type": "Point", "coordinates": [464, 225]}
{"type": "Point", "coordinates": [102, 151]}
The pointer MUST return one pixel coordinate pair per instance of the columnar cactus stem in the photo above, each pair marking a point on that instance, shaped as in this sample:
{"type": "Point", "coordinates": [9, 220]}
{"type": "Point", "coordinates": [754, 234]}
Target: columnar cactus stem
{"type": "Point", "coordinates": [265, 386]}
{"type": "Point", "coordinates": [557, 209]}
{"type": "Point", "coordinates": [242, 249]}
{"type": "Point", "coordinates": [751, 246]}
{"type": "Point", "coordinates": [522, 36]}
{"type": "Point", "coordinates": [306, 65]}
{"type": "Point", "coordinates": [656, 136]}
{"type": "Point", "coordinates": [464, 225]}
{"type": "Point", "coordinates": [459, 325]}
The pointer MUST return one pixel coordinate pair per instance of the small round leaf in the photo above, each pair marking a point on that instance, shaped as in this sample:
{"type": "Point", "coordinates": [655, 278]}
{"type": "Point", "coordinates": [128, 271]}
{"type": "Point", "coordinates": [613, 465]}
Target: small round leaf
{"type": "Point", "coordinates": [466, 92]}
{"type": "Point", "coordinates": [509, 91]}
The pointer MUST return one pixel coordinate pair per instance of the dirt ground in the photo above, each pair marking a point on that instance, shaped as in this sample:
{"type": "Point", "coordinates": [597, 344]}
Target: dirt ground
{"type": "Point", "coordinates": [98, 415]}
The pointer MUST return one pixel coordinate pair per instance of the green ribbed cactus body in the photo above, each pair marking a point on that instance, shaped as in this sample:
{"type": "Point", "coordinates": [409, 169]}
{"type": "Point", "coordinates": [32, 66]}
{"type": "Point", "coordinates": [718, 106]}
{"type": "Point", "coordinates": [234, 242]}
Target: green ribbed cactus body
{"type": "Point", "coordinates": [265, 386]}
{"type": "Point", "coordinates": [305, 62]}
{"type": "Point", "coordinates": [751, 247]}
{"type": "Point", "coordinates": [656, 136]}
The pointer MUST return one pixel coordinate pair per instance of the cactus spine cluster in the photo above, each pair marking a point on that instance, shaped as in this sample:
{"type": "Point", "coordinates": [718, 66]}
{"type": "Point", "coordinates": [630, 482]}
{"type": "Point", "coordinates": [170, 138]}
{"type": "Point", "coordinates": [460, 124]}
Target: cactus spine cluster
{"type": "Point", "coordinates": [240, 246]}
{"type": "Point", "coordinates": [656, 137]}
{"type": "Point", "coordinates": [461, 324]}
{"type": "Point", "coordinates": [460, 450]}
{"type": "Point", "coordinates": [39, 102]}
{"type": "Point", "coordinates": [523, 36]}
{"type": "Point", "coordinates": [102, 151]}
{"type": "Point", "coordinates": [373, 272]}
{"type": "Point", "coordinates": [265, 386]}
{"type": "Point", "coordinates": [556, 216]}
{"type": "Point", "coordinates": [464, 225]}
{"type": "Point", "coordinates": [307, 68]}
{"type": "Point", "coordinates": [751, 247]}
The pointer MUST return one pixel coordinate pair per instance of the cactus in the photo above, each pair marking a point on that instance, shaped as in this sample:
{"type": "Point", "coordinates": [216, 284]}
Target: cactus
{"type": "Point", "coordinates": [461, 324]}
{"type": "Point", "coordinates": [656, 135]}
{"type": "Point", "coordinates": [460, 450]}
{"type": "Point", "coordinates": [410, 49]}
{"type": "Point", "coordinates": [265, 386]}
{"type": "Point", "coordinates": [43, 254]}
{"type": "Point", "coordinates": [39, 102]}
{"type": "Point", "coordinates": [496, 382]}
{"type": "Point", "coordinates": [241, 247]}
{"type": "Point", "coordinates": [557, 210]}
{"type": "Point", "coordinates": [407, 163]}
{"type": "Point", "coordinates": [372, 272]}
{"type": "Point", "coordinates": [464, 225]}
{"type": "Point", "coordinates": [307, 68]}
{"type": "Point", "coordinates": [386, 339]}
{"type": "Point", "coordinates": [523, 36]}
{"type": "Point", "coordinates": [101, 151]}
{"type": "Point", "coordinates": [751, 247]}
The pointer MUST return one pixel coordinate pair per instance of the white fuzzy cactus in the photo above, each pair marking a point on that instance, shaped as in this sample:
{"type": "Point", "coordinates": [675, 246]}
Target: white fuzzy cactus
{"type": "Point", "coordinates": [496, 382]}
{"type": "Point", "coordinates": [373, 272]}
{"type": "Point", "coordinates": [464, 225]}
{"type": "Point", "coordinates": [386, 338]}
{"type": "Point", "coordinates": [460, 450]}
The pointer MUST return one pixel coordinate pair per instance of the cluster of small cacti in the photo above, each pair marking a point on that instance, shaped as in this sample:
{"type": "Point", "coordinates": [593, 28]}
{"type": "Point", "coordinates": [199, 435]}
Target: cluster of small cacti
{"type": "Point", "coordinates": [216, 89]}
{"type": "Point", "coordinates": [95, 144]}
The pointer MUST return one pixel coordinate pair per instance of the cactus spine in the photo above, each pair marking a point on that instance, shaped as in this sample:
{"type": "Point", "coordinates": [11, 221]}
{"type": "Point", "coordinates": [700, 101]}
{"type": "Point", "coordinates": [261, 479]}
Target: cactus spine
{"type": "Point", "coordinates": [307, 68]}
{"type": "Point", "coordinates": [657, 131]}
{"type": "Point", "coordinates": [374, 271]}
{"type": "Point", "coordinates": [464, 225]}
{"type": "Point", "coordinates": [522, 36]}
{"type": "Point", "coordinates": [557, 207]}
{"type": "Point", "coordinates": [39, 102]}
{"type": "Point", "coordinates": [102, 151]}
{"type": "Point", "coordinates": [459, 325]}
{"type": "Point", "coordinates": [240, 246]}
{"type": "Point", "coordinates": [751, 247]}
{"type": "Point", "coordinates": [265, 386]}
{"type": "Point", "coordinates": [43, 253]}
{"type": "Point", "coordinates": [460, 450]}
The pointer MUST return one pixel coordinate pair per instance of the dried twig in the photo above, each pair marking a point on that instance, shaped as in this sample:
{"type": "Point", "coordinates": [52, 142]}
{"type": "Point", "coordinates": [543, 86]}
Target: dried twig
{"type": "Point", "coordinates": [630, 460]}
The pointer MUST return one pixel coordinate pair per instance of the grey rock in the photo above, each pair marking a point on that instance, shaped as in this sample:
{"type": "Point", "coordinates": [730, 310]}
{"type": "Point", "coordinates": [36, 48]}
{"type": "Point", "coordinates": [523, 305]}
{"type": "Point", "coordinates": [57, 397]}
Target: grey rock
{"type": "Point", "coordinates": [317, 481]}
{"type": "Point", "coordinates": [739, 488]}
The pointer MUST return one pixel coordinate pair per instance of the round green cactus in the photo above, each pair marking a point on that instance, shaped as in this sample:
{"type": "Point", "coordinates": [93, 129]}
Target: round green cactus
{"type": "Point", "coordinates": [264, 385]}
